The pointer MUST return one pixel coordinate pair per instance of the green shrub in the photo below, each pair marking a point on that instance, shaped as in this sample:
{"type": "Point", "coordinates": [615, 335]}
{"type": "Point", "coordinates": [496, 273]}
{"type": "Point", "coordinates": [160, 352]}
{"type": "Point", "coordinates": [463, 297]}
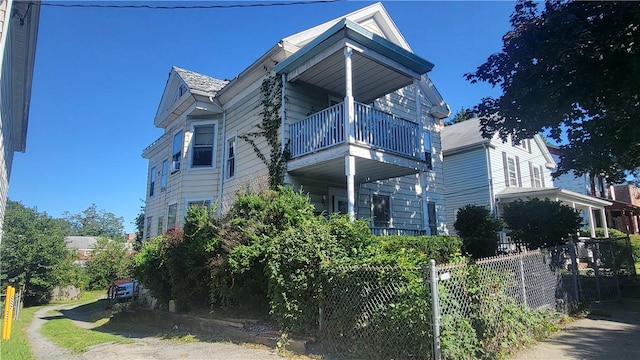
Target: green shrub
{"type": "Point", "coordinates": [635, 246]}
{"type": "Point", "coordinates": [411, 251]}
{"type": "Point", "coordinates": [613, 233]}
{"type": "Point", "coordinates": [478, 230]}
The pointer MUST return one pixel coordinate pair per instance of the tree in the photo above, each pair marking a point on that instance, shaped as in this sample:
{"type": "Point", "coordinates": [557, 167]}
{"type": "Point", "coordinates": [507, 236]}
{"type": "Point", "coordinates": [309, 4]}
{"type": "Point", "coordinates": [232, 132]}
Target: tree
{"type": "Point", "coordinates": [109, 262]}
{"type": "Point", "coordinates": [95, 222]}
{"type": "Point", "coordinates": [139, 223]}
{"type": "Point", "coordinates": [478, 230]}
{"type": "Point", "coordinates": [462, 115]}
{"type": "Point", "coordinates": [33, 252]}
{"type": "Point", "coordinates": [541, 223]}
{"type": "Point", "coordinates": [572, 69]}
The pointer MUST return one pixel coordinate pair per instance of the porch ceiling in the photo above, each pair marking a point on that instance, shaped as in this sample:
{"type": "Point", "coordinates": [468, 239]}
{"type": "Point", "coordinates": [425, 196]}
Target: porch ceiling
{"type": "Point", "coordinates": [379, 66]}
{"type": "Point", "coordinates": [367, 170]}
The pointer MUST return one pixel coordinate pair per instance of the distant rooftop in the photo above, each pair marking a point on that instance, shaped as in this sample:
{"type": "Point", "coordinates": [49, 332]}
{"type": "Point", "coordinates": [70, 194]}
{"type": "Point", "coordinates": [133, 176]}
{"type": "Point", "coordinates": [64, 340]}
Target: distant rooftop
{"type": "Point", "coordinates": [80, 242]}
{"type": "Point", "coordinates": [462, 134]}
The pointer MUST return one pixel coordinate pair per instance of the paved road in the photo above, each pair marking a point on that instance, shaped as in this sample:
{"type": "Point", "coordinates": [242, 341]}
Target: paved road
{"type": "Point", "coordinates": [143, 348]}
{"type": "Point", "coordinates": [611, 333]}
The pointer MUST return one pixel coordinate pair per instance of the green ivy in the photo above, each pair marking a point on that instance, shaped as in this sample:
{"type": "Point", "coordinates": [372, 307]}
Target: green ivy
{"type": "Point", "coordinates": [269, 128]}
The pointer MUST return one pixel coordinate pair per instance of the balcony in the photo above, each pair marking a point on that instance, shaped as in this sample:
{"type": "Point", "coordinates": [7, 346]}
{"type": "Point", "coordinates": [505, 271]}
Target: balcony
{"type": "Point", "coordinates": [372, 128]}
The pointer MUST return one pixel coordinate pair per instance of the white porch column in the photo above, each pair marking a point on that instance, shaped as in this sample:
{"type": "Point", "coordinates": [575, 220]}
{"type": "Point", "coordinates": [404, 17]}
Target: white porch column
{"type": "Point", "coordinates": [603, 218]}
{"type": "Point", "coordinates": [283, 112]}
{"type": "Point", "coordinates": [592, 223]}
{"type": "Point", "coordinates": [425, 205]}
{"type": "Point", "coordinates": [350, 171]}
{"type": "Point", "coordinates": [349, 108]}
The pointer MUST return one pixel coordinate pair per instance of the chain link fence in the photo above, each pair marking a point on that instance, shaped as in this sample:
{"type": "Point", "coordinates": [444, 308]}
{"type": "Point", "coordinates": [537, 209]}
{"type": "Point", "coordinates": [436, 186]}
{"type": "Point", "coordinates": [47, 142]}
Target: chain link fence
{"type": "Point", "coordinates": [370, 312]}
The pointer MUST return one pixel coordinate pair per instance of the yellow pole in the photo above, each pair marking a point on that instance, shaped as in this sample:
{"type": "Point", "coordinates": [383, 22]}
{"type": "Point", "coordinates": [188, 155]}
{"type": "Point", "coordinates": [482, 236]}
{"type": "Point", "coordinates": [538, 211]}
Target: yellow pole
{"type": "Point", "coordinates": [7, 306]}
{"type": "Point", "coordinates": [11, 307]}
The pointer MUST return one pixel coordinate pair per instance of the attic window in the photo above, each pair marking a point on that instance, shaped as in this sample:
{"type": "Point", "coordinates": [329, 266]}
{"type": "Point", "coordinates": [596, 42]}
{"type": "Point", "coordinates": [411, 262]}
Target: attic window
{"type": "Point", "coordinates": [182, 90]}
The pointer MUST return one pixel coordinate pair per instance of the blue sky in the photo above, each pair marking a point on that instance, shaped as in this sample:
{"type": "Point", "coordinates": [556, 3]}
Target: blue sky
{"type": "Point", "coordinates": [100, 73]}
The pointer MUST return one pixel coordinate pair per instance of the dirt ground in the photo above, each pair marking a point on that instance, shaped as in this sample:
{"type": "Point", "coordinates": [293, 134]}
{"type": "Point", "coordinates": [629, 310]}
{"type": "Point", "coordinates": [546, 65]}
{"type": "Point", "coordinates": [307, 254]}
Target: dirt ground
{"type": "Point", "coordinates": [143, 348]}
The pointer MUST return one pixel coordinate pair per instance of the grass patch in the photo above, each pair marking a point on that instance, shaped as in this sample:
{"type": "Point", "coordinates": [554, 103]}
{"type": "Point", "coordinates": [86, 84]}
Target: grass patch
{"type": "Point", "coordinates": [17, 347]}
{"type": "Point", "coordinates": [64, 333]}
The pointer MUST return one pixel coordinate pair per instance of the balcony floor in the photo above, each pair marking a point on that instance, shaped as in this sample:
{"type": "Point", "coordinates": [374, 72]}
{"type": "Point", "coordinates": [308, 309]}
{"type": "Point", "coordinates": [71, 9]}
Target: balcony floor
{"type": "Point", "coordinates": [371, 165]}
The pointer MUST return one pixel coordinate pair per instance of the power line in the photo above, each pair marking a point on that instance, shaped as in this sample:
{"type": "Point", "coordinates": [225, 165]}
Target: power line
{"type": "Point", "coordinates": [186, 7]}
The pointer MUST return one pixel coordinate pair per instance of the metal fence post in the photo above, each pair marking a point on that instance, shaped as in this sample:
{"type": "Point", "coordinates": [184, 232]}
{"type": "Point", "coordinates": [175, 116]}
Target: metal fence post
{"type": "Point", "coordinates": [574, 269]}
{"type": "Point", "coordinates": [596, 268]}
{"type": "Point", "coordinates": [435, 304]}
{"type": "Point", "coordinates": [522, 282]}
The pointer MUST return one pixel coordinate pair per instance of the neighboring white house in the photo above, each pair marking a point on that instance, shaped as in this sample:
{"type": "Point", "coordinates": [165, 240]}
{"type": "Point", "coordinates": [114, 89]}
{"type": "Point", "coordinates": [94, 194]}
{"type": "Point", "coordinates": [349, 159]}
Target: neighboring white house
{"type": "Point", "coordinates": [358, 142]}
{"type": "Point", "coordinates": [490, 172]}
{"type": "Point", "coordinates": [18, 34]}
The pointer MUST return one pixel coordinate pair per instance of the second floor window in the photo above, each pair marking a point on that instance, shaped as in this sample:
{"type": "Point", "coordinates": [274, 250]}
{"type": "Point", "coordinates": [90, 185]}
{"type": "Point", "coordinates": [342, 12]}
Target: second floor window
{"type": "Point", "coordinates": [176, 158]}
{"type": "Point", "coordinates": [231, 157]}
{"type": "Point", "coordinates": [512, 173]}
{"type": "Point", "coordinates": [203, 136]}
{"type": "Point", "coordinates": [537, 177]}
{"type": "Point", "coordinates": [163, 176]}
{"type": "Point", "coordinates": [152, 184]}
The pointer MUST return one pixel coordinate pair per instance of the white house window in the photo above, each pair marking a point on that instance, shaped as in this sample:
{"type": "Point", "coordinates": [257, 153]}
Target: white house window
{"type": "Point", "coordinates": [163, 176]}
{"type": "Point", "coordinates": [159, 226]}
{"type": "Point", "coordinates": [152, 184]}
{"type": "Point", "coordinates": [176, 158]}
{"type": "Point", "coordinates": [203, 145]}
{"type": "Point", "coordinates": [205, 203]}
{"type": "Point", "coordinates": [433, 220]}
{"type": "Point", "coordinates": [148, 228]}
{"type": "Point", "coordinates": [426, 138]}
{"type": "Point", "coordinates": [512, 172]}
{"type": "Point", "coordinates": [231, 158]}
{"type": "Point", "coordinates": [381, 210]}
{"type": "Point", "coordinates": [537, 177]}
{"type": "Point", "coordinates": [172, 216]}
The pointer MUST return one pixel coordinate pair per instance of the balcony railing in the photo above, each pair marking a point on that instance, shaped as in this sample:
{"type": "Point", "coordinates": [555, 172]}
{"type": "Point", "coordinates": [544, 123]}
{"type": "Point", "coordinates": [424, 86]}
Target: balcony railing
{"type": "Point", "coordinates": [380, 231]}
{"type": "Point", "coordinates": [372, 127]}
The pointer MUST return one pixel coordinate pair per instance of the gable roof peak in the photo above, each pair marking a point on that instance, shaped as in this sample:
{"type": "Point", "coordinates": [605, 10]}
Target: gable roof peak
{"type": "Point", "coordinates": [199, 82]}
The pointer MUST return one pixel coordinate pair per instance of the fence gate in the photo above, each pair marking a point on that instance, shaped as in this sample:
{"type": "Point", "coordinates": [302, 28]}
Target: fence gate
{"type": "Point", "coordinates": [604, 265]}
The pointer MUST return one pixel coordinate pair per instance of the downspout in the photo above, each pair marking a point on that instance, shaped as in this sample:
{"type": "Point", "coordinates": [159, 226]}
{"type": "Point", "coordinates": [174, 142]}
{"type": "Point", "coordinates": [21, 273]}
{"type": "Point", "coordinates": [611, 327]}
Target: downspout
{"type": "Point", "coordinates": [222, 165]}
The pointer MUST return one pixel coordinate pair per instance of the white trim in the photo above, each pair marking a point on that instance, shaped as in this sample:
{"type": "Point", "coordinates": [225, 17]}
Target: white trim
{"type": "Point", "coordinates": [189, 152]}
{"type": "Point", "coordinates": [172, 169]}
{"type": "Point", "coordinates": [196, 199]}
{"type": "Point", "coordinates": [515, 170]}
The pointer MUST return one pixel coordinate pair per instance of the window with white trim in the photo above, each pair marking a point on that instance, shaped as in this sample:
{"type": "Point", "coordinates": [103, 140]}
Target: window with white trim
{"type": "Point", "coordinates": [176, 155]}
{"type": "Point", "coordinates": [202, 145]}
{"type": "Point", "coordinates": [426, 138]}
{"type": "Point", "coordinates": [172, 216]}
{"type": "Point", "coordinates": [537, 177]}
{"type": "Point", "coordinates": [231, 158]}
{"type": "Point", "coordinates": [381, 210]}
{"type": "Point", "coordinates": [512, 172]}
{"type": "Point", "coordinates": [152, 183]}
{"type": "Point", "coordinates": [205, 203]}
{"type": "Point", "coordinates": [160, 219]}
{"type": "Point", "coordinates": [148, 228]}
{"type": "Point", "coordinates": [163, 175]}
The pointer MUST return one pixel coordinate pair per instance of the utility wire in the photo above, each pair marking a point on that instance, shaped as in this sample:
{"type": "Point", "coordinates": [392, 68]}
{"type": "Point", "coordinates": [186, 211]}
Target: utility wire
{"type": "Point", "coordinates": [183, 7]}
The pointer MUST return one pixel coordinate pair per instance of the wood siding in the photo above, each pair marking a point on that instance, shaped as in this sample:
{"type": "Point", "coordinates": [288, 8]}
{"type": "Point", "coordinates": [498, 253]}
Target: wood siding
{"type": "Point", "coordinates": [466, 182]}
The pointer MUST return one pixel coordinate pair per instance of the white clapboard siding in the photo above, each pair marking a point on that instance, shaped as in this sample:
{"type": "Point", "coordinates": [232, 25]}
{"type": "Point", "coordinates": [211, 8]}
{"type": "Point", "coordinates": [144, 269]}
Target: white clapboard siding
{"type": "Point", "coordinates": [466, 182]}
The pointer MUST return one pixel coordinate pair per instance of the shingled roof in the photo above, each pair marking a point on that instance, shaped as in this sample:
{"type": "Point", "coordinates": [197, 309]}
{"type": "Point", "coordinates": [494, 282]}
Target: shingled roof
{"type": "Point", "coordinates": [200, 82]}
{"type": "Point", "coordinates": [462, 135]}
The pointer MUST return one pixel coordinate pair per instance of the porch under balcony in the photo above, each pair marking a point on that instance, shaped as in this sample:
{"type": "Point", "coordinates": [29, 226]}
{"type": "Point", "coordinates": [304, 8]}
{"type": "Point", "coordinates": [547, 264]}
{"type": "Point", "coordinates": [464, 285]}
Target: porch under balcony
{"type": "Point", "coordinates": [384, 145]}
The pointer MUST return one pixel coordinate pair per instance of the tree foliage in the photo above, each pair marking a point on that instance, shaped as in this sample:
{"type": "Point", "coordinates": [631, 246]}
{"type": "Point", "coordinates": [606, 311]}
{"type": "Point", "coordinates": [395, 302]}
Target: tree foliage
{"type": "Point", "coordinates": [110, 261]}
{"type": "Point", "coordinates": [462, 115]}
{"type": "Point", "coordinates": [95, 222]}
{"type": "Point", "coordinates": [33, 252]}
{"type": "Point", "coordinates": [571, 68]}
{"type": "Point", "coordinates": [541, 223]}
{"type": "Point", "coordinates": [478, 230]}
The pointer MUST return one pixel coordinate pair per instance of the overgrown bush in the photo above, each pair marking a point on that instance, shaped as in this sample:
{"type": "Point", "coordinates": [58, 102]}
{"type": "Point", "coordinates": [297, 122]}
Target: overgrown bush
{"type": "Point", "coordinates": [411, 251]}
{"type": "Point", "coordinates": [478, 230]}
{"type": "Point", "coordinates": [613, 233]}
{"type": "Point", "coordinates": [635, 246]}
{"type": "Point", "coordinates": [541, 223]}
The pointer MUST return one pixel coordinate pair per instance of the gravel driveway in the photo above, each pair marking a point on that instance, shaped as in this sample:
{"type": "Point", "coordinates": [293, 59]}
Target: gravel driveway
{"type": "Point", "coordinates": [143, 348]}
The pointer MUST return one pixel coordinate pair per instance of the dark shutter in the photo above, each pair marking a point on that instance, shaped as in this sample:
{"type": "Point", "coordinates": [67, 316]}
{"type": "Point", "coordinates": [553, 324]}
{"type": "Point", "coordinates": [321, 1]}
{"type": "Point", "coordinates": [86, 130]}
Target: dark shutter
{"type": "Point", "coordinates": [518, 171]}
